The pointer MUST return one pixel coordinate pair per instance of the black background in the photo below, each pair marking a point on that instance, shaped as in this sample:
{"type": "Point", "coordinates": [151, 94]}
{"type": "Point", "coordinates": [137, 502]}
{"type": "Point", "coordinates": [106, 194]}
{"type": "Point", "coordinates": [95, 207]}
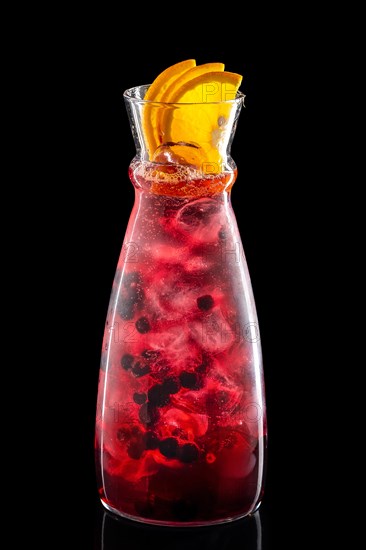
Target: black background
{"type": "Point", "coordinates": [89, 215]}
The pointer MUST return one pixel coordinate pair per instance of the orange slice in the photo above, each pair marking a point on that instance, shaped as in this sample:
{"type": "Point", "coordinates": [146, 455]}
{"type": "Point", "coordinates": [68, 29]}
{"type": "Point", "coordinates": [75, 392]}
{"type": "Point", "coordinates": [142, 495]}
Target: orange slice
{"type": "Point", "coordinates": [167, 77]}
{"type": "Point", "coordinates": [176, 85]}
{"type": "Point", "coordinates": [189, 115]}
{"type": "Point", "coordinates": [155, 93]}
{"type": "Point", "coordinates": [206, 118]}
{"type": "Point", "coordinates": [194, 72]}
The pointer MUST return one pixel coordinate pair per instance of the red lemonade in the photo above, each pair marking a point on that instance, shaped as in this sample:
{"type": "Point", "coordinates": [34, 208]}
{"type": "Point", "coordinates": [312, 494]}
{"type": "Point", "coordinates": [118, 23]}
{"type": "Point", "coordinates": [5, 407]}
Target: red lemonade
{"type": "Point", "coordinates": [181, 420]}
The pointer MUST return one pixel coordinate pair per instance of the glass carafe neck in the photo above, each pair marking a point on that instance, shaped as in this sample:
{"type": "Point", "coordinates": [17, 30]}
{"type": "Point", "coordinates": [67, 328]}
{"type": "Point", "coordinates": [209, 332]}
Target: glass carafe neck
{"type": "Point", "coordinates": [198, 135]}
{"type": "Point", "coordinates": [173, 180]}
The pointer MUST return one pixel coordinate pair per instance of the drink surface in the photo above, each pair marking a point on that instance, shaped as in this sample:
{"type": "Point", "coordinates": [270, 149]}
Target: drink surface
{"type": "Point", "coordinates": [181, 425]}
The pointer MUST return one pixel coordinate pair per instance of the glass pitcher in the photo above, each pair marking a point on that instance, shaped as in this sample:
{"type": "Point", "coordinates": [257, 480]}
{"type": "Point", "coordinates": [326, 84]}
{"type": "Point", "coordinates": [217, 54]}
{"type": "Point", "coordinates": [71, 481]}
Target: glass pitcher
{"type": "Point", "coordinates": [181, 430]}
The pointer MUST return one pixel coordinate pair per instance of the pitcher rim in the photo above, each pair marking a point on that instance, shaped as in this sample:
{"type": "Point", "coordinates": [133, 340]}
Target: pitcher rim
{"type": "Point", "coordinates": [128, 96]}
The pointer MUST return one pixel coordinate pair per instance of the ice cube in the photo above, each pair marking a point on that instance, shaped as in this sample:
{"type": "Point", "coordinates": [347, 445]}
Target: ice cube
{"type": "Point", "coordinates": [172, 297]}
{"type": "Point", "coordinates": [237, 460]}
{"type": "Point", "coordinates": [200, 264]}
{"type": "Point", "coordinates": [215, 401]}
{"type": "Point", "coordinates": [134, 470]}
{"type": "Point", "coordinates": [212, 332]}
{"type": "Point", "coordinates": [222, 403]}
{"type": "Point", "coordinates": [202, 219]}
{"type": "Point", "coordinates": [168, 254]}
{"type": "Point", "coordinates": [182, 424]}
{"type": "Point", "coordinates": [179, 153]}
{"type": "Point", "coordinates": [173, 343]}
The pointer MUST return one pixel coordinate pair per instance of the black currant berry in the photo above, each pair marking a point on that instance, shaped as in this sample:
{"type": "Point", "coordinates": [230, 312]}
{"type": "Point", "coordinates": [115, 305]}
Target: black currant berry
{"type": "Point", "coordinates": [135, 449]}
{"type": "Point", "coordinates": [188, 453]}
{"type": "Point", "coordinates": [139, 398]}
{"type": "Point", "coordinates": [143, 325]}
{"type": "Point", "coordinates": [190, 380]}
{"type": "Point", "coordinates": [158, 395]}
{"type": "Point", "coordinates": [139, 370]}
{"type": "Point", "coordinates": [169, 447]}
{"type": "Point", "coordinates": [205, 303]}
{"type": "Point", "coordinates": [127, 361]}
{"type": "Point", "coordinates": [171, 385]}
{"type": "Point", "coordinates": [151, 441]}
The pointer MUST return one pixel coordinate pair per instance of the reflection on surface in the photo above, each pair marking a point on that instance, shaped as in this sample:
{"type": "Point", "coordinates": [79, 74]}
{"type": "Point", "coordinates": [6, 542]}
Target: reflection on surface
{"type": "Point", "coordinates": [117, 533]}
